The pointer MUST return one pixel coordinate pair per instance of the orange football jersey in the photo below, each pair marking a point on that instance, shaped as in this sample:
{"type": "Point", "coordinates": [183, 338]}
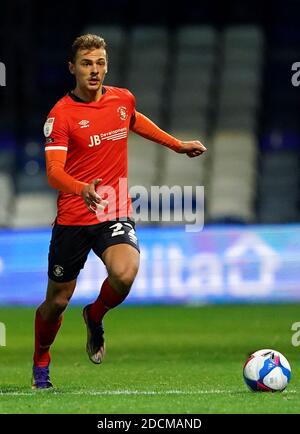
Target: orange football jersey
{"type": "Point", "coordinates": [95, 137]}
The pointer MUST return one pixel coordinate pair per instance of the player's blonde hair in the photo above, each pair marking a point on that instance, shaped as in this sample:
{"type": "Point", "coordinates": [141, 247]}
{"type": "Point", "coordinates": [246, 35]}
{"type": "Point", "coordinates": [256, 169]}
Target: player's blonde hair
{"type": "Point", "coordinates": [86, 42]}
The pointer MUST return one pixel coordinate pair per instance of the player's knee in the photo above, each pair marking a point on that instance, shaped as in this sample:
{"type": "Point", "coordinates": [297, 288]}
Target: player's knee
{"type": "Point", "coordinates": [58, 295]}
{"type": "Point", "coordinates": [123, 278]}
{"type": "Point", "coordinates": [59, 303]}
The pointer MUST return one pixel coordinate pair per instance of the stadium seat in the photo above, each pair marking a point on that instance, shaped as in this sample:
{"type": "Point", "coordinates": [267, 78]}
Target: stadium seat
{"type": "Point", "coordinates": [229, 166]}
{"type": "Point", "coordinates": [195, 121]}
{"type": "Point", "coordinates": [246, 121]}
{"type": "Point", "coordinates": [238, 55]}
{"type": "Point", "coordinates": [148, 47]}
{"type": "Point", "coordinates": [241, 78]}
{"type": "Point", "coordinates": [197, 37]}
{"type": "Point", "coordinates": [7, 161]}
{"type": "Point", "coordinates": [143, 161]}
{"type": "Point", "coordinates": [147, 36]}
{"type": "Point", "coordinates": [279, 162]}
{"type": "Point", "coordinates": [232, 176]}
{"type": "Point", "coordinates": [232, 186]}
{"type": "Point", "coordinates": [230, 99]}
{"type": "Point", "coordinates": [189, 101]}
{"type": "Point", "coordinates": [7, 194]}
{"type": "Point", "coordinates": [29, 183]}
{"type": "Point", "coordinates": [34, 209]}
{"type": "Point", "coordinates": [279, 186]}
{"type": "Point", "coordinates": [181, 170]}
{"type": "Point", "coordinates": [249, 37]}
{"type": "Point", "coordinates": [230, 208]}
{"type": "Point", "coordinates": [192, 91]}
{"type": "Point", "coordinates": [275, 211]}
{"type": "Point", "coordinates": [240, 144]}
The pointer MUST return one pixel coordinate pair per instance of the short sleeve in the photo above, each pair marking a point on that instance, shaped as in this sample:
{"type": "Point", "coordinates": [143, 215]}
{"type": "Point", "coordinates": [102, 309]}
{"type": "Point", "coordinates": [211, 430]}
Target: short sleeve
{"type": "Point", "coordinates": [56, 132]}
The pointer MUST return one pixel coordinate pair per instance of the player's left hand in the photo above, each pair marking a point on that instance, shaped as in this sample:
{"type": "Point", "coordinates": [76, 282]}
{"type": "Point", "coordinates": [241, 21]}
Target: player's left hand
{"type": "Point", "coordinates": [193, 148]}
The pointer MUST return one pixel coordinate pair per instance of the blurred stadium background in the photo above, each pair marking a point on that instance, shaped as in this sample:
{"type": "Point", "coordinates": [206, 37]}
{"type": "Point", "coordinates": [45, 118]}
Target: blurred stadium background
{"type": "Point", "coordinates": [215, 71]}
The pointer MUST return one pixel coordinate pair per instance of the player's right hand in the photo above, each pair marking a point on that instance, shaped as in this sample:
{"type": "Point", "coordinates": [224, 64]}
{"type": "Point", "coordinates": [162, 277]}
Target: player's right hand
{"type": "Point", "coordinates": [91, 198]}
{"type": "Point", "coordinates": [192, 148]}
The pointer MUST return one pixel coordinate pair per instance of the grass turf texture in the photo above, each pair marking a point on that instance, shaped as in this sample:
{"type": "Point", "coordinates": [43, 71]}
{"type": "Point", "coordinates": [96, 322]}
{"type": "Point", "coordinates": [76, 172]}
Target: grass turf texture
{"type": "Point", "coordinates": [159, 360]}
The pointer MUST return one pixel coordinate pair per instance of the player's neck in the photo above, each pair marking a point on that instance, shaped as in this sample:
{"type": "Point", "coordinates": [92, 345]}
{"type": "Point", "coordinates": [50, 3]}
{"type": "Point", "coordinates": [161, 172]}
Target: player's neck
{"type": "Point", "coordinates": [88, 95]}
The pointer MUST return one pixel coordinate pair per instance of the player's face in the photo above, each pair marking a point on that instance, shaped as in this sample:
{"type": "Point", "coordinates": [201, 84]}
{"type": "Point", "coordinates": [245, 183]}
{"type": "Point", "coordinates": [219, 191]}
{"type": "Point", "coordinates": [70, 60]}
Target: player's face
{"type": "Point", "coordinates": [89, 68]}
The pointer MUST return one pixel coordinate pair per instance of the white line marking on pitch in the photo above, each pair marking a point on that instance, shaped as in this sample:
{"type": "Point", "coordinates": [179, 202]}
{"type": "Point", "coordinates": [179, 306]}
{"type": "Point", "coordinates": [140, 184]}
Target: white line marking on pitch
{"type": "Point", "coordinates": [125, 392]}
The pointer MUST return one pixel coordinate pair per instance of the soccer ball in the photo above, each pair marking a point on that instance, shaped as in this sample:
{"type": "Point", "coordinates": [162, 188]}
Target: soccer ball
{"type": "Point", "coordinates": [267, 371]}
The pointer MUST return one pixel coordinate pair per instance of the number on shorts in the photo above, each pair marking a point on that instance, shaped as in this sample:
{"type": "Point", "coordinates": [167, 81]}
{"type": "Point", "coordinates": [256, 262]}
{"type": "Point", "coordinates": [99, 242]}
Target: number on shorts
{"type": "Point", "coordinates": [131, 234]}
{"type": "Point", "coordinates": [117, 229]}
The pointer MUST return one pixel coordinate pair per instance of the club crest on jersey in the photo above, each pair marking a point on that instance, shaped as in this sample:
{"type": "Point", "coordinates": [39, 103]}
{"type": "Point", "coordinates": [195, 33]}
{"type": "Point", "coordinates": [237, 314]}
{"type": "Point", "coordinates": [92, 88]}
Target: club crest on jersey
{"type": "Point", "coordinates": [84, 123]}
{"type": "Point", "coordinates": [48, 126]}
{"type": "Point", "coordinates": [58, 270]}
{"type": "Point", "coordinates": [123, 113]}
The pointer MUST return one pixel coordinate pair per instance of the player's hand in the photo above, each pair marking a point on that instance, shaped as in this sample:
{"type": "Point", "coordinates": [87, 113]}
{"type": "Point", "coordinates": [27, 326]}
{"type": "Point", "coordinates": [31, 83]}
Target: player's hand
{"type": "Point", "coordinates": [92, 200]}
{"type": "Point", "coordinates": [193, 148]}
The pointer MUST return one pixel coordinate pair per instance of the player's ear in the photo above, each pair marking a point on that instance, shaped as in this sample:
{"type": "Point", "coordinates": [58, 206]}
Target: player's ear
{"type": "Point", "coordinates": [71, 67]}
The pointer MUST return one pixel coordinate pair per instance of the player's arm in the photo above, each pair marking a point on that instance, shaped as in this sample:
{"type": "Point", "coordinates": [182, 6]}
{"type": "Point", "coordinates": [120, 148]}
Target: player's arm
{"type": "Point", "coordinates": [62, 181]}
{"type": "Point", "coordinates": [143, 126]}
{"type": "Point", "coordinates": [57, 177]}
{"type": "Point", "coordinates": [57, 141]}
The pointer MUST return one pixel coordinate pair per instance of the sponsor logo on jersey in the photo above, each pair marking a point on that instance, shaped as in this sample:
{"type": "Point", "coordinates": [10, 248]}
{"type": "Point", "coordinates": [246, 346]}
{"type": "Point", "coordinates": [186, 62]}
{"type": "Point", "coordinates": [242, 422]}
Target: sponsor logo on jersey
{"type": "Point", "coordinates": [122, 113]}
{"type": "Point", "coordinates": [48, 126]}
{"type": "Point", "coordinates": [119, 134]}
{"type": "Point", "coordinates": [49, 140]}
{"type": "Point", "coordinates": [84, 123]}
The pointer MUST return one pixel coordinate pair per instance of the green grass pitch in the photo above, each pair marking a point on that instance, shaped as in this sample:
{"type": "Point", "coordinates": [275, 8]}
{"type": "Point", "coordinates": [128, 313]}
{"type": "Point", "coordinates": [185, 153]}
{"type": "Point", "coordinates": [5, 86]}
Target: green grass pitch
{"type": "Point", "coordinates": [165, 359]}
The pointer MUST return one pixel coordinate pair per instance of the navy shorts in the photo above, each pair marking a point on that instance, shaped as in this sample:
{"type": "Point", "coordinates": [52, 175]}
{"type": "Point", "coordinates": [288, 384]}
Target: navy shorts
{"type": "Point", "coordinates": [70, 245]}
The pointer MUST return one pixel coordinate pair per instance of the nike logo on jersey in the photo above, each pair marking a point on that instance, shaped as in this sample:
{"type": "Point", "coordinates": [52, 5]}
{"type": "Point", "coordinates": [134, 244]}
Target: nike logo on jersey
{"type": "Point", "coordinates": [97, 139]}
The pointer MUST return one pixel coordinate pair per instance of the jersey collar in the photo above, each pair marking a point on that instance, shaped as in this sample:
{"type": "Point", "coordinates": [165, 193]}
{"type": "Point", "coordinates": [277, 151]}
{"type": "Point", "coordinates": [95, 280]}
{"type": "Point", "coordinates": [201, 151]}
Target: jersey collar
{"type": "Point", "coordinates": [77, 99]}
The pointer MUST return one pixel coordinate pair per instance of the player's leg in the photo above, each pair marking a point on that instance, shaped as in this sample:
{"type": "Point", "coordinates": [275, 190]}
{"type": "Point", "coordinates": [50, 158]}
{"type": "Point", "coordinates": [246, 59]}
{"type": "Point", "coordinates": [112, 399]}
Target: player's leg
{"type": "Point", "coordinates": [48, 320]}
{"type": "Point", "coordinates": [121, 258]}
{"type": "Point", "coordinates": [122, 264]}
{"type": "Point", "coordinates": [69, 248]}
